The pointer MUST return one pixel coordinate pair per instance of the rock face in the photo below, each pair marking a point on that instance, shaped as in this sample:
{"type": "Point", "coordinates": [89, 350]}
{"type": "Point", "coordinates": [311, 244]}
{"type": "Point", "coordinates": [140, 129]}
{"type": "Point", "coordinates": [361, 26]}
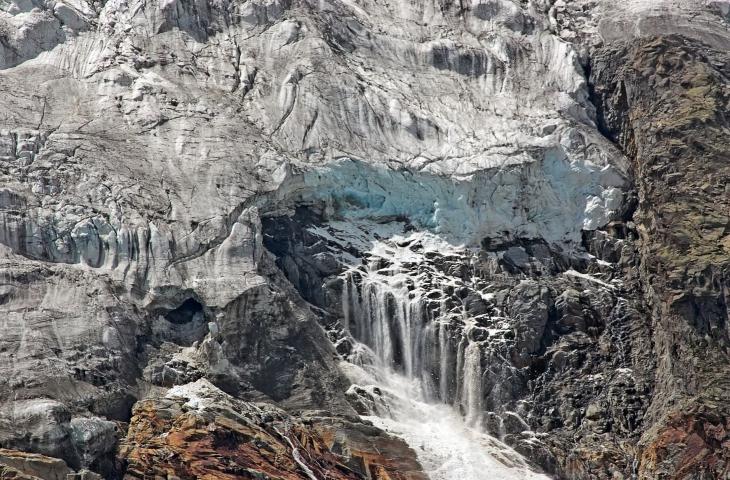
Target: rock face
{"type": "Point", "coordinates": [197, 431]}
{"type": "Point", "coordinates": [224, 224]}
{"type": "Point", "coordinates": [32, 466]}
{"type": "Point", "coordinates": [683, 214]}
{"type": "Point", "coordinates": [547, 350]}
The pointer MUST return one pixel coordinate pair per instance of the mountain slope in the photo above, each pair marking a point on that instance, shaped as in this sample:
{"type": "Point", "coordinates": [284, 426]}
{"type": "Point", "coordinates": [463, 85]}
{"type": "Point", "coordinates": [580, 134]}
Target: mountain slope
{"type": "Point", "coordinates": [238, 192]}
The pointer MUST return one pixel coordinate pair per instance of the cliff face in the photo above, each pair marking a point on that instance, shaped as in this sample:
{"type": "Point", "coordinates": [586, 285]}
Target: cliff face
{"type": "Point", "coordinates": [232, 228]}
{"type": "Point", "coordinates": [668, 106]}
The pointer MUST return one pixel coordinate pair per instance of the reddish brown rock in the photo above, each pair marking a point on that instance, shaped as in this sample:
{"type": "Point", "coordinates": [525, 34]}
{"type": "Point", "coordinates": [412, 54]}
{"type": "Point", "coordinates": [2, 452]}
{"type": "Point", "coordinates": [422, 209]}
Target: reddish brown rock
{"type": "Point", "coordinates": [203, 433]}
{"type": "Point", "coordinates": [693, 444]}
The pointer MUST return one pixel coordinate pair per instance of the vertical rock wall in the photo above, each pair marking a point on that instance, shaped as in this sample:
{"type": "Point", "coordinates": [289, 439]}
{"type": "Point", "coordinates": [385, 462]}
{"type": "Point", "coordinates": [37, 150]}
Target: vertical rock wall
{"type": "Point", "coordinates": [665, 99]}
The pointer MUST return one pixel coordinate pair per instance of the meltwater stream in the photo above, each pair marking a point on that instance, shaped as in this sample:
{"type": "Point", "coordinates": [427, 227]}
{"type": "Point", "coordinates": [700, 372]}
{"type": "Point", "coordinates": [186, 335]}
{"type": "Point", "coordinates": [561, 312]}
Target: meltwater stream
{"type": "Point", "coordinates": [419, 370]}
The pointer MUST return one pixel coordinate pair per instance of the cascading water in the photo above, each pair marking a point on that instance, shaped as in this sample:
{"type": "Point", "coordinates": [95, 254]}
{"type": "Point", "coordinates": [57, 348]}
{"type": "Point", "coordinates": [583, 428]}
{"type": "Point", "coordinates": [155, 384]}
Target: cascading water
{"type": "Point", "coordinates": [421, 365]}
{"type": "Point", "coordinates": [411, 335]}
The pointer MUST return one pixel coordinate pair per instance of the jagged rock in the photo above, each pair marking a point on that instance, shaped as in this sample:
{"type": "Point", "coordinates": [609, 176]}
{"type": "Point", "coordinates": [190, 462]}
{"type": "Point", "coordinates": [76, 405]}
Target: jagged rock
{"type": "Point", "coordinates": [512, 423]}
{"type": "Point", "coordinates": [196, 430]}
{"type": "Point", "coordinates": [93, 439]}
{"type": "Point", "coordinates": [530, 305]}
{"type": "Point", "coordinates": [682, 171]}
{"type": "Point", "coordinates": [691, 443]}
{"type": "Point", "coordinates": [570, 310]}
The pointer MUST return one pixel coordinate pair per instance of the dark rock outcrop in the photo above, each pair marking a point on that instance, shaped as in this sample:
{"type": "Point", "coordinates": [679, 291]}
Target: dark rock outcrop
{"type": "Point", "coordinates": [666, 101]}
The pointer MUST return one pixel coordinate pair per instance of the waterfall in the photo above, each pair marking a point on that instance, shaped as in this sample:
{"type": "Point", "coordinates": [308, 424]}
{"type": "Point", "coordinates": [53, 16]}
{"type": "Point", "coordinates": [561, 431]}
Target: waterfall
{"type": "Point", "coordinates": [415, 347]}
{"type": "Point", "coordinates": [444, 363]}
{"type": "Point", "coordinates": [472, 394]}
{"type": "Point", "coordinates": [385, 312]}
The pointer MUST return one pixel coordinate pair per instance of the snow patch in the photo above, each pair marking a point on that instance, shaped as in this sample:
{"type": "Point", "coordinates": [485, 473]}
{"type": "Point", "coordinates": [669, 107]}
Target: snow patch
{"type": "Point", "coordinates": [198, 394]}
{"type": "Point", "coordinates": [589, 278]}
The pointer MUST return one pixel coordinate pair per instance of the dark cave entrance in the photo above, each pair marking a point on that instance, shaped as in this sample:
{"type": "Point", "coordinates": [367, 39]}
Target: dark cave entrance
{"type": "Point", "coordinates": [185, 313]}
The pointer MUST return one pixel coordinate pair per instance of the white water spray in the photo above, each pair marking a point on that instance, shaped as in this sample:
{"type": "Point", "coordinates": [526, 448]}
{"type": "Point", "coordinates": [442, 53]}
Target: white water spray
{"type": "Point", "coordinates": [415, 348]}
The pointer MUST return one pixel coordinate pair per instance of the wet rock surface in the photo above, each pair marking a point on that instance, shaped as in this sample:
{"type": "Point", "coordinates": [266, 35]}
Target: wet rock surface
{"type": "Point", "coordinates": [564, 369]}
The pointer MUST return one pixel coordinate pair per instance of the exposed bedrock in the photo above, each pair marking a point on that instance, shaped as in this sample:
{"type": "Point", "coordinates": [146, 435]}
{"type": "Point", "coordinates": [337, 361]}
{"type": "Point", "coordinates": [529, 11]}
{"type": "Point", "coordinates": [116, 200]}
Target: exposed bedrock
{"type": "Point", "coordinates": [665, 100]}
{"type": "Point", "coordinates": [178, 435]}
